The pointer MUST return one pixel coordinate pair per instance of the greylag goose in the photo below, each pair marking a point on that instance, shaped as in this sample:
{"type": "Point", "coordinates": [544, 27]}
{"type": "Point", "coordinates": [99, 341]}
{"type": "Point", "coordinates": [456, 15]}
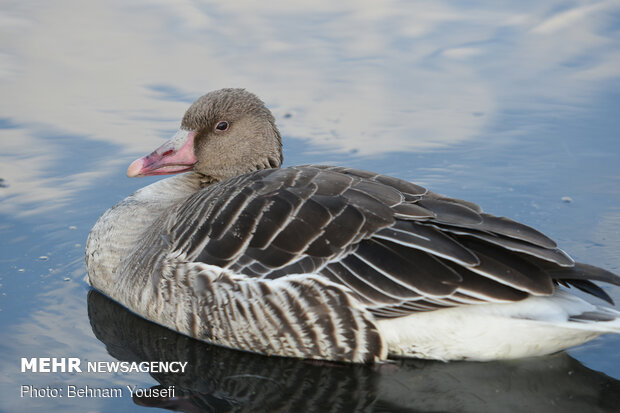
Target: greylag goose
{"type": "Point", "coordinates": [327, 262]}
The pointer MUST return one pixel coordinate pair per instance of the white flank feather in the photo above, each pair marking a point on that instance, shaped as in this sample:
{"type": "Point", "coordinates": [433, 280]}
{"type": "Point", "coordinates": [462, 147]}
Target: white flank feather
{"type": "Point", "coordinates": [532, 327]}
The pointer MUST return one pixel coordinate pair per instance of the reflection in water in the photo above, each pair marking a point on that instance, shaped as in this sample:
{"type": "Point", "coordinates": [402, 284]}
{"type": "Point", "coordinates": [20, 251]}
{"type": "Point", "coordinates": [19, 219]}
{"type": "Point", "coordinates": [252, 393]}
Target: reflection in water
{"type": "Point", "coordinates": [222, 380]}
{"type": "Point", "coordinates": [359, 77]}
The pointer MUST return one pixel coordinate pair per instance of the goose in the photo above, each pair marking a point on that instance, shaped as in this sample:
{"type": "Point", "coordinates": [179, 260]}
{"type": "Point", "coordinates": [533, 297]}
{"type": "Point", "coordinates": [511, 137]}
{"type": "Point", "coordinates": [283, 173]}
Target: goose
{"type": "Point", "coordinates": [327, 262]}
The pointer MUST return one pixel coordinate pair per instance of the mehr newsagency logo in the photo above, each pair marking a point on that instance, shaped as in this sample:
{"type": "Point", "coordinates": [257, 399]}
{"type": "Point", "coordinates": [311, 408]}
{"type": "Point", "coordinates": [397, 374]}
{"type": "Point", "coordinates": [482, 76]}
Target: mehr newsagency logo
{"type": "Point", "coordinates": [75, 365]}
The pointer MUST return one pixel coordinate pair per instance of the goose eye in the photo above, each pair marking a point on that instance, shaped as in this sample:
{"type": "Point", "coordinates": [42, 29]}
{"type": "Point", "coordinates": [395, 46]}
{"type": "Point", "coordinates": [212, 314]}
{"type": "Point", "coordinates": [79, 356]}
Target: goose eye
{"type": "Point", "coordinates": [222, 126]}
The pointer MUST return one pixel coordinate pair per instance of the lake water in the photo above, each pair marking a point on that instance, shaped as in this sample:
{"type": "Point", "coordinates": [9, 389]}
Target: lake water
{"type": "Point", "coordinates": [512, 105]}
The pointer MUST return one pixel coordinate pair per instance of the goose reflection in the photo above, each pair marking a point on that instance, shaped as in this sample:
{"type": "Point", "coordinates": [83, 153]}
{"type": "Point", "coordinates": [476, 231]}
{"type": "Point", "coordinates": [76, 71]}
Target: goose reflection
{"type": "Point", "coordinates": [221, 380]}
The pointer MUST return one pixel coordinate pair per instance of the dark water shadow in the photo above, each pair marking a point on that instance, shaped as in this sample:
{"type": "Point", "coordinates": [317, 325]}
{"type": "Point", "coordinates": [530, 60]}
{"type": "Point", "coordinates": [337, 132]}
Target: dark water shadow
{"type": "Point", "coordinates": [222, 380]}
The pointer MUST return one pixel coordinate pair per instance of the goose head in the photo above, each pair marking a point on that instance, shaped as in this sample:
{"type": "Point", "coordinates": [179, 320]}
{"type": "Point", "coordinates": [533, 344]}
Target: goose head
{"type": "Point", "coordinates": [223, 134]}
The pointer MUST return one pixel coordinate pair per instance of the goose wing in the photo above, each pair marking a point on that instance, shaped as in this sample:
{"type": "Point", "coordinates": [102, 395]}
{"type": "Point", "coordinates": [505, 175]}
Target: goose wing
{"type": "Point", "coordinates": [397, 246]}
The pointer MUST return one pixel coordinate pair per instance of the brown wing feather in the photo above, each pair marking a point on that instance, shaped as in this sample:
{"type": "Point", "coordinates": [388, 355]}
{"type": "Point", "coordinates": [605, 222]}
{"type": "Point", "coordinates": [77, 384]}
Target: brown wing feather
{"type": "Point", "coordinates": [398, 247]}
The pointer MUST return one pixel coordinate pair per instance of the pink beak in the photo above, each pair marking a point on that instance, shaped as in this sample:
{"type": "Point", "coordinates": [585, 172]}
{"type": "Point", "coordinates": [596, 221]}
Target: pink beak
{"type": "Point", "coordinates": [174, 156]}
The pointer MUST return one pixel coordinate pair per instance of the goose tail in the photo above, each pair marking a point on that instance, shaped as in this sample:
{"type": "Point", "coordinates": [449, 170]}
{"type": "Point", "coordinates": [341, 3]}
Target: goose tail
{"type": "Point", "coordinates": [600, 319]}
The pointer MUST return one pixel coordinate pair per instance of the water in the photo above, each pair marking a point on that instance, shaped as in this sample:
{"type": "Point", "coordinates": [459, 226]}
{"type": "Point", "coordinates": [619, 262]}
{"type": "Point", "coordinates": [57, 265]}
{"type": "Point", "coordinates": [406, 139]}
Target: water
{"type": "Point", "coordinates": [513, 106]}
